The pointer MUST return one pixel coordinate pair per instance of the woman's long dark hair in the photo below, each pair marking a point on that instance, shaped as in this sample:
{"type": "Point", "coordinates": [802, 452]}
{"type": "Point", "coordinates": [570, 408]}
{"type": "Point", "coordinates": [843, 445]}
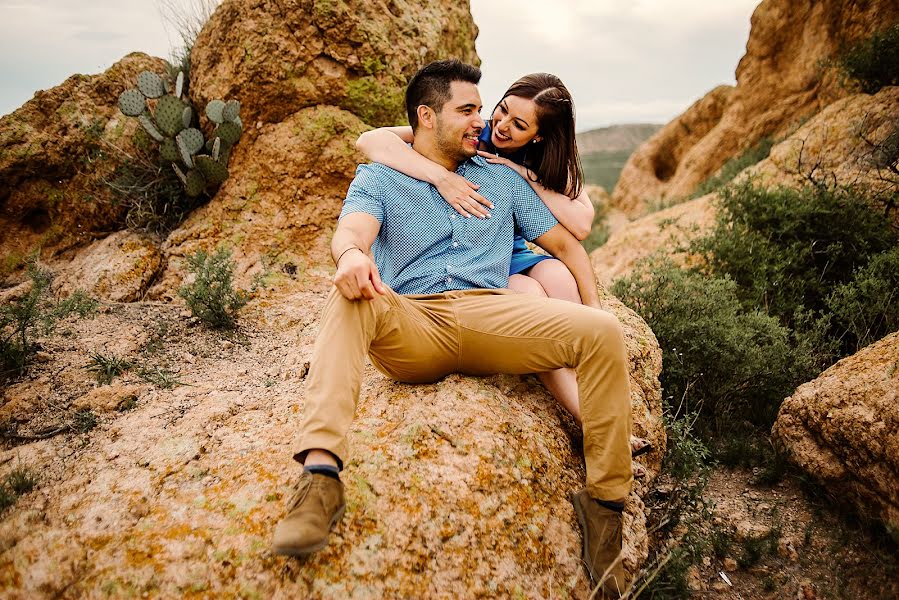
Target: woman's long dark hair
{"type": "Point", "coordinates": [555, 159]}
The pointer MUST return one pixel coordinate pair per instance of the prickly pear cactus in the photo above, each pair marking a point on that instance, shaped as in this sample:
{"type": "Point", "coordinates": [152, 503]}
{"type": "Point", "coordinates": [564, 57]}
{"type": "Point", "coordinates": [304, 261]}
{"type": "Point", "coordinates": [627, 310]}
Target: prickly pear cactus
{"type": "Point", "coordinates": [170, 120]}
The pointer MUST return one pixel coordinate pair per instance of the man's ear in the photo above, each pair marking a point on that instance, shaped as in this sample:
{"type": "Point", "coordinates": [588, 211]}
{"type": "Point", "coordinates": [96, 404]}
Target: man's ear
{"type": "Point", "coordinates": [426, 116]}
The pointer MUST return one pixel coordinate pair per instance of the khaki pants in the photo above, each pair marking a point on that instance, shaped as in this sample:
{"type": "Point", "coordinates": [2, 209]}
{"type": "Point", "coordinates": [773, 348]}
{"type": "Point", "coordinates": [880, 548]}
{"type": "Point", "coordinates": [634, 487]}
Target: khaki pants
{"type": "Point", "coordinates": [422, 338]}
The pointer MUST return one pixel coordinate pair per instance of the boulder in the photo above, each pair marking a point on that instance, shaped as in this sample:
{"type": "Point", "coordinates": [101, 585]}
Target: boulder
{"type": "Point", "coordinates": [668, 231]}
{"type": "Point", "coordinates": [119, 268]}
{"type": "Point", "coordinates": [56, 151]}
{"type": "Point", "coordinates": [780, 82]}
{"type": "Point", "coordinates": [454, 489]}
{"type": "Point", "coordinates": [280, 57]}
{"type": "Point", "coordinates": [280, 205]}
{"type": "Point", "coordinates": [842, 429]}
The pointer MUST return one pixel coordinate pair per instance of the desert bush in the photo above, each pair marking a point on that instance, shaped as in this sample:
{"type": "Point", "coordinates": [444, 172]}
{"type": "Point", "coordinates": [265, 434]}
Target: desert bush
{"type": "Point", "coordinates": [107, 367]}
{"type": "Point", "coordinates": [866, 308]}
{"type": "Point", "coordinates": [788, 249]}
{"type": "Point", "coordinates": [718, 357]}
{"type": "Point", "coordinates": [735, 166]}
{"type": "Point", "coordinates": [873, 62]}
{"type": "Point", "coordinates": [20, 480]}
{"type": "Point", "coordinates": [36, 312]}
{"type": "Point", "coordinates": [211, 296]}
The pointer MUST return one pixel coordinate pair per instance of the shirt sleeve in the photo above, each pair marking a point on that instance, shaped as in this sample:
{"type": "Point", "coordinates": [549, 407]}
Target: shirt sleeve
{"type": "Point", "coordinates": [364, 194]}
{"type": "Point", "coordinates": [531, 215]}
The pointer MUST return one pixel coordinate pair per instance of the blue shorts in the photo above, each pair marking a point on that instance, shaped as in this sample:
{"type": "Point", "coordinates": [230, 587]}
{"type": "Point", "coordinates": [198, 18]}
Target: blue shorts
{"type": "Point", "coordinates": [523, 258]}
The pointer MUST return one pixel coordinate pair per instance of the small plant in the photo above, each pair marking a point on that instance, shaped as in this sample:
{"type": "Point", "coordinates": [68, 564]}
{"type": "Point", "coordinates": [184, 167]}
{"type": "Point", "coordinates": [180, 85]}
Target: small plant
{"type": "Point", "coordinates": [873, 62]}
{"type": "Point", "coordinates": [21, 480]}
{"type": "Point", "coordinates": [160, 377]}
{"type": "Point", "coordinates": [84, 420]}
{"type": "Point", "coordinates": [107, 367]}
{"type": "Point", "coordinates": [22, 319]}
{"type": "Point", "coordinates": [211, 296]}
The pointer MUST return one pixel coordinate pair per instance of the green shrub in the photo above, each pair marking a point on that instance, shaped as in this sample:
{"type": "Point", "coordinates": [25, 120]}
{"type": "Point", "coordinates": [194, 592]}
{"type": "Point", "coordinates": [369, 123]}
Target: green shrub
{"type": "Point", "coordinates": [735, 166]}
{"type": "Point", "coordinates": [107, 367]}
{"type": "Point", "coordinates": [21, 480]}
{"type": "Point", "coordinates": [211, 296]}
{"type": "Point", "coordinates": [788, 249]}
{"type": "Point", "coordinates": [153, 195]}
{"type": "Point", "coordinates": [22, 319]}
{"type": "Point", "coordinates": [866, 308]}
{"type": "Point", "coordinates": [873, 62]}
{"type": "Point", "coordinates": [718, 357]}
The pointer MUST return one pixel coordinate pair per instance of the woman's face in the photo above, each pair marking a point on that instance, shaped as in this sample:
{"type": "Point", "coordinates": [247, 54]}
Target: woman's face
{"type": "Point", "coordinates": [514, 123]}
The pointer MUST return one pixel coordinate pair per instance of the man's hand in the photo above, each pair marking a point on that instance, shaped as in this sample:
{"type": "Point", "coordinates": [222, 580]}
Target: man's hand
{"type": "Point", "coordinates": [357, 276]}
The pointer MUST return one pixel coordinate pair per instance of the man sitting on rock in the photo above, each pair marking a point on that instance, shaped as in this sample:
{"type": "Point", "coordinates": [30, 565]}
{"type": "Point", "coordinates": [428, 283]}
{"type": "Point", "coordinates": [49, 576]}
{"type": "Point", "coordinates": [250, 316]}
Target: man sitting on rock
{"type": "Point", "coordinates": [442, 308]}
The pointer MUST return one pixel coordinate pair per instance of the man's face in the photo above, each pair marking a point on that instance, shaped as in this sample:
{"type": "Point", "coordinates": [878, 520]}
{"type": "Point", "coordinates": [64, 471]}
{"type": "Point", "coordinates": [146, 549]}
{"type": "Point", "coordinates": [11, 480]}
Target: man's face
{"type": "Point", "coordinates": [459, 122]}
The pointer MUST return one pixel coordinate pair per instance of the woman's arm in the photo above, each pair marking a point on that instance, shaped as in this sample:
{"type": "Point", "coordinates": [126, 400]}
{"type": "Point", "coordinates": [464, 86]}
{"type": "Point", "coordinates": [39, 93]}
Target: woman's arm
{"type": "Point", "coordinates": [389, 146]}
{"type": "Point", "coordinates": [575, 214]}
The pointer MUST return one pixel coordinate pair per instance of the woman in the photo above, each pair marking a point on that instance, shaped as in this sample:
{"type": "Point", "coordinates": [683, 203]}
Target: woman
{"type": "Point", "coordinates": [531, 131]}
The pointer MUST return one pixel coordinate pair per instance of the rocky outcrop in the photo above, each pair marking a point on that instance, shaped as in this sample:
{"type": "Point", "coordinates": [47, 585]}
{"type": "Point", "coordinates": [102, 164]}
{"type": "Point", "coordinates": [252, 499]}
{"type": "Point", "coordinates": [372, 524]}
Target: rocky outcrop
{"type": "Point", "coordinates": [845, 144]}
{"type": "Point", "coordinates": [119, 268]}
{"type": "Point", "coordinates": [280, 205]}
{"type": "Point", "coordinates": [55, 153]}
{"type": "Point", "coordinates": [843, 430]}
{"type": "Point", "coordinates": [780, 82]}
{"type": "Point", "coordinates": [280, 56]}
{"type": "Point", "coordinates": [668, 231]}
{"type": "Point", "coordinates": [454, 489]}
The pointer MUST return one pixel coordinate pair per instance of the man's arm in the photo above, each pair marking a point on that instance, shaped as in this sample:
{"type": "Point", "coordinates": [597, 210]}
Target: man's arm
{"type": "Point", "coordinates": [559, 242]}
{"type": "Point", "coordinates": [357, 275]}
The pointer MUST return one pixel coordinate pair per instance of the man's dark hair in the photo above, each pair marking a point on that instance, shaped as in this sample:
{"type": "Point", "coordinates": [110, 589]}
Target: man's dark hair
{"type": "Point", "coordinates": [431, 85]}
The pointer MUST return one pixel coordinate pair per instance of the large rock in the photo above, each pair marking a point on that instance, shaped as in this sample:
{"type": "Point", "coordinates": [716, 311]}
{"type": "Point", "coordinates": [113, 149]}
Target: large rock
{"type": "Point", "coordinates": [56, 151]}
{"type": "Point", "coordinates": [668, 231]}
{"type": "Point", "coordinates": [779, 83]}
{"type": "Point", "coordinates": [455, 489]}
{"type": "Point", "coordinates": [843, 430]}
{"type": "Point", "coordinates": [279, 56]}
{"type": "Point", "coordinates": [279, 207]}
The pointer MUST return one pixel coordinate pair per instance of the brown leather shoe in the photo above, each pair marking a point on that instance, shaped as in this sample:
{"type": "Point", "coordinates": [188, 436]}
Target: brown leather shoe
{"type": "Point", "coordinates": [601, 528]}
{"type": "Point", "coordinates": [315, 507]}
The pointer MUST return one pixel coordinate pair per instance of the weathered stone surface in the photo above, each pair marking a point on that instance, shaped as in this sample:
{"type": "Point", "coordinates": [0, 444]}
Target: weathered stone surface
{"type": "Point", "coordinates": [55, 152]}
{"type": "Point", "coordinates": [843, 430]}
{"type": "Point", "coordinates": [111, 397]}
{"type": "Point", "coordinates": [838, 147]}
{"type": "Point", "coordinates": [280, 205]}
{"type": "Point", "coordinates": [119, 267]}
{"type": "Point", "coordinates": [455, 489]}
{"type": "Point", "coordinates": [279, 56]}
{"type": "Point", "coordinates": [668, 231]}
{"type": "Point", "coordinates": [779, 83]}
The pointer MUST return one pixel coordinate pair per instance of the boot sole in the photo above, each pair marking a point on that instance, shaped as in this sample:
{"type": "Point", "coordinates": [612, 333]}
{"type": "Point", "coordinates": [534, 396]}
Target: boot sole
{"type": "Point", "coordinates": [307, 550]}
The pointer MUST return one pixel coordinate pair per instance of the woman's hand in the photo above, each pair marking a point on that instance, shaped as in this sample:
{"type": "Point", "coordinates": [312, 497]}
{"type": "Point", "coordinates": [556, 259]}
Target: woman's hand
{"type": "Point", "coordinates": [462, 195]}
{"type": "Point", "coordinates": [496, 159]}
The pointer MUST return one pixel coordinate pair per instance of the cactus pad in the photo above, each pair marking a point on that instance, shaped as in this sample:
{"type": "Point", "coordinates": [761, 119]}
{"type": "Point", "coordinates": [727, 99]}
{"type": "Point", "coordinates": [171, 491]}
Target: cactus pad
{"type": "Point", "coordinates": [132, 103]}
{"type": "Point", "coordinates": [191, 139]}
{"type": "Point", "coordinates": [214, 111]}
{"type": "Point", "coordinates": [238, 122]}
{"type": "Point", "coordinates": [194, 183]}
{"type": "Point", "coordinates": [179, 173]}
{"type": "Point", "coordinates": [229, 132]}
{"type": "Point", "coordinates": [150, 84]}
{"type": "Point", "coordinates": [179, 84]}
{"type": "Point", "coordinates": [216, 148]}
{"type": "Point", "coordinates": [168, 115]}
{"type": "Point", "coordinates": [150, 128]}
{"type": "Point", "coordinates": [231, 110]}
{"type": "Point", "coordinates": [187, 116]}
{"type": "Point", "coordinates": [215, 171]}
{"type": "Point", "coordinates": [184, 154]}
{"type": "Point", "coordinates": [168, 150]}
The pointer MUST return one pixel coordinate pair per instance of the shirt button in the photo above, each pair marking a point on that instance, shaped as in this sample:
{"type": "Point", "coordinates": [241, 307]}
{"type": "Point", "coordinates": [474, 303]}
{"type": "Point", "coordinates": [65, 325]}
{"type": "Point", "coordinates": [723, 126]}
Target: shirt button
{"type": "Point", "coordinates": [449, 279]}
{"type": "Point", "coordinates": [453, 217]}
{"type": "Point", "coordinates": [455, 244]}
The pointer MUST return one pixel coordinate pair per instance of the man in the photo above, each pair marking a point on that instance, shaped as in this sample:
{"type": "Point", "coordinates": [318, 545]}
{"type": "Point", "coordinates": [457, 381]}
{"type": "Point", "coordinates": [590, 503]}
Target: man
{"type": "Point", "coordinates": [440, 308]}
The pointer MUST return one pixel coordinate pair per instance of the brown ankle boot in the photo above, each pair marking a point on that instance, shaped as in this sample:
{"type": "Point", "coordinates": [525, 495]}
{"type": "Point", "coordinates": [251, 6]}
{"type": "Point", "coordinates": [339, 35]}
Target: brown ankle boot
{"type": "Point", "coordinates": [315, 507]}
{"type": "Point", "coordinates": [601, 528]}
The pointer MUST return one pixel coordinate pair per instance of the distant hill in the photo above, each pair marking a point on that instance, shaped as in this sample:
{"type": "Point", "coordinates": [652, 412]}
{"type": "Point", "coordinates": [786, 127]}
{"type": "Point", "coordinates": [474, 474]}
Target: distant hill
{"type": "Point", "coordinates": [604, 151]}
{"type": "Point", "coordinates": [615, 138]}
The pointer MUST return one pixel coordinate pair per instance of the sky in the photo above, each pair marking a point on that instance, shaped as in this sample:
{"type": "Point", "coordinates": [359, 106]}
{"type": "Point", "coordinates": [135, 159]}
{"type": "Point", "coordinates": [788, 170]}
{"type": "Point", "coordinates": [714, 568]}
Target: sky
{"type": "Point", "coordinates": [624, 61]}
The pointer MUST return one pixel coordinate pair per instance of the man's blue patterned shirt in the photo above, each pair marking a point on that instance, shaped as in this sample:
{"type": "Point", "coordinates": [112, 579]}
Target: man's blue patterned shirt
{"type": "Point", "coordinates": [425, 247]}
